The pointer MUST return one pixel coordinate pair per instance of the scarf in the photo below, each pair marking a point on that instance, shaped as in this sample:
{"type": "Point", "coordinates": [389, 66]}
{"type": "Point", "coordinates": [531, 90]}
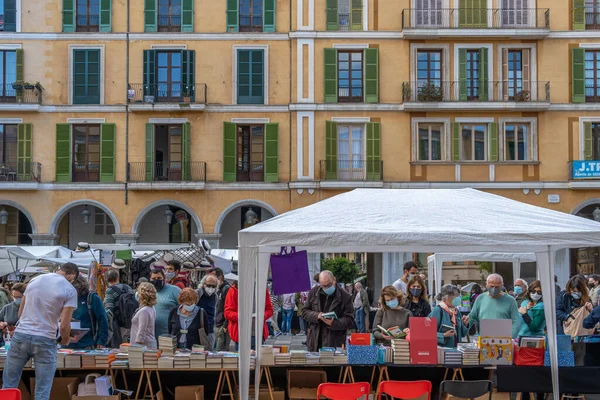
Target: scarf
{"type": "Point", "coordinates": [452, 312]}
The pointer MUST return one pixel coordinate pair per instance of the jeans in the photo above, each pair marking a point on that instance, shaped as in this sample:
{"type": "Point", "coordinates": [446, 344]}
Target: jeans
{"type": "Point", "coordinates": [286, 323]}
{"type": "Point", "coordinates": [222, 339]}
{"type": "Point", "coordinates": [22, 348]}
{"type": "Point", "coordinates": [274, 320]}
{"type": "Point", "coordinates": [359, 318]}
{"type": "Point", "coordinates": [302, 324]}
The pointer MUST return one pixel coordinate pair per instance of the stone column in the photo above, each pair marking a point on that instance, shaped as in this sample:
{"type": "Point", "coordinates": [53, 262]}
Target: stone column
{"type": "Point", "coordinates": [126, 238]}
{"type": "Point", "coordinates": [43, 239]}
{"type": "Point", "coordinates": [213, 239]}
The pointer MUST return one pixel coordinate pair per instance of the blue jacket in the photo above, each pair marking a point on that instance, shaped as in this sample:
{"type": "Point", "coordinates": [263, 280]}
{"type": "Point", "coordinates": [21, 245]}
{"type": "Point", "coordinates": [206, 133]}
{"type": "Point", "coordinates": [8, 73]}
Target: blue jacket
{"type": "Point", "coordinates": [82, 314]}
{"type": "Point", "coordinates": [208, 304]}
{"type": "Point", "coordinates": [565, 304]}
{"type": "Point", "coordinates": [443, 318]}
{"type": "Point", "coordinates": [591, 320]}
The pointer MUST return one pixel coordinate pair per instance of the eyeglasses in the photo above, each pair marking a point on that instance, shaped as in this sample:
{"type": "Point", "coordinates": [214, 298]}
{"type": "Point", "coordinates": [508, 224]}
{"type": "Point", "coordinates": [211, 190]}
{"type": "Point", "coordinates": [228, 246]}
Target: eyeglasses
{"type": "Point", "coordinates": [211, 286]}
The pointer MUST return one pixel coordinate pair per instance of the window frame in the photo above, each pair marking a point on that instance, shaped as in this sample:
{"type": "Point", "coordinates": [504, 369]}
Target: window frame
{"type": "Point", "coordinates": [594, 14]}
{"type": "Point", "coordinates": [533, 82]}
{"type": "Point", "coordinates": [171, 93]}
{"type": "Point", "coordinates": [596, 140]}
{"type": "Point", "coordinates": [445, 139]}
{"type": "Point", "coordinates": [105, 223]}
{"type": "Point", "coordinates": [239, 153]}
{"type": "Point", "coordinates": [251, 27]}
{"type": "Point", "coordinates": [4, 88]}
{"type": "Point", "coordinates": [170, 26]}
{"type": "Point", "coordinates": [532, 148]}
{"type": "Point", "coordinates": [349, 171]}
{"type": "Point", "coordinates": [87, 128]}
{"type": "Point", "coordinates": [486, 141]}
{"type": "Point", "coordinates": [595, 97]}
{"type": "Point", "coordinates": [88, 15]}
{"type": "Point", "coordinates": [490, 71]}
{"type": "Point", "coordinates": [350, 98]}
{"type": "Point", "coordinates": [445, 65]}
{"type": "Point", "coordinates": [4, 160]}
{"type": "Point", "coordinates": [73, 47]}
{"type": "Point", "coordinates": [265, 49]}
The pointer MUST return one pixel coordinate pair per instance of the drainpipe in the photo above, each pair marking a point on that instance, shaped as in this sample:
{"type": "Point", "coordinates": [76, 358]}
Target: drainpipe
{"type": "Point", "coordinates": [291, 98]}
{"type": "Point", "coordinates": [127, 108]}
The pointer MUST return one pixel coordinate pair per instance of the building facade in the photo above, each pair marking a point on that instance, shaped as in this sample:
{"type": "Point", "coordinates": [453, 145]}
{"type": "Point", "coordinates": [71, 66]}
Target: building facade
{"type": "Point", "coordinates": [171, 120]}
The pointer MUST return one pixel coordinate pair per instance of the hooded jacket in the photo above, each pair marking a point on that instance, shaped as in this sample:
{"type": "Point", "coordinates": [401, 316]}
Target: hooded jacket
{"type": "Point", "coordinates": [231, 313]}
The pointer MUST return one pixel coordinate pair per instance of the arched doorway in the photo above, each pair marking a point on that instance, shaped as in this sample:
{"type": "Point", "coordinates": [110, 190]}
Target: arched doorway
{"type": "Point", "coordinates": [16, 224]}
{"type": "Point", "coordinates": [167, 221]}
{"type": "Point", "coordinates": [238, 216]}
{"type": "Point", "coordinates": [587, 260]}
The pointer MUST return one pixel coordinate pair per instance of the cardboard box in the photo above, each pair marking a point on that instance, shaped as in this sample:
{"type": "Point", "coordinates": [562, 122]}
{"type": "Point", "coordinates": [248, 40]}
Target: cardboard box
{"type": "Point", "coordinates": [303, 384]}
{"type": "Point", "coordinates": [189, 392]}
{"type": "Point", "coordinates": [278, 394]}
{"type": "Point", "coordinates": [62, 388]}
{"type": "Point", "coordinates": [114, 397]}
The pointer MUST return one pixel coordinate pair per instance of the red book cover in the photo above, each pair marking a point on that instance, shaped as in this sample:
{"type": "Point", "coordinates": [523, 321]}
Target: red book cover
{"type": "Point", "coordinates": [423, 340]}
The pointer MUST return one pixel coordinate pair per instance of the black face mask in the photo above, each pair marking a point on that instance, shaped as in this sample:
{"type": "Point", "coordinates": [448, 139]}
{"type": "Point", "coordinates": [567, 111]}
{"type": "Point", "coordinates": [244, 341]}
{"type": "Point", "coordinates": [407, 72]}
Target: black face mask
{"type": "Point", "coordinates": [158, 285]}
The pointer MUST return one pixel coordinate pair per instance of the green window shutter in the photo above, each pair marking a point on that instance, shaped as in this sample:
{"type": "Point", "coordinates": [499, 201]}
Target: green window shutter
{"type": "Point", "coordinates": [187, 73]}
{"type": "Point", "coordinates": [371, 75]}
{"type": "Point", "coordinates": [105, 15]}
{"type": "Point", "coordinates": [330, 150]}
{"type": "Point", "coordinates": [455, 141]}
{"type": "Point", "coordinates": [108, 142]}
{"type": "Point", "coordinates": [232, 15]}
{"type": "Point", "coordinates": [332, 15]}
{"type": "Point", "coordinates": [86, 76]}
{"type": "Point", "coordinates": [578, 77]}
{"type": "Point", "coordinates": [20, 73]}
{"type": "Point", "coordinates": [149, 152]}
{"type": "Point", "coordinates": [149, 73]}
{"type": "Point", "coordinates": [250, 79]}
{"type": "Point", "coordinates": [24, 137]}
{"type": "Point", "coordinates": [150, 16]}
{"type": "Point", "coordinates": [187, 15]}
{"type": "Point", "coordinates": [483, 74]}
{"type": "Point", "coordinates": [271, 152]}
{"type": "Point", "coordinates": [68, 15]}
{"type": "Point", "coordinates": [63, 153]}
{"type": "Point", "coordinates": [331, 83]}
{"type": "Point", "coordinates": [229, 151]}
{"type": "Point", "coordinates": [588, 142]}
{"type": "Point", "coordinates": [186, 156]}
{"type": "Point", "coordinates": [269, 19]}
{"type": "Point", "coordinates": [356, 16]}
{"type": "Point", "coordinates": [493, 141]}
{"type": "Point", "coordinates": [10, 15]}
{"type": "Point", "coordinates": [578, 15]}
{"type": "Point", "coordinates": [462, 74]}
{"type": "Point", "coordinates": [374, 151]}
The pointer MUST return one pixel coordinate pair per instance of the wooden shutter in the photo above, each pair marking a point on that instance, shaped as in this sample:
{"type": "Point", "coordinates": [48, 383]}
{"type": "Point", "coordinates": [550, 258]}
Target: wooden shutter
{"type": "Point", "coordinates": [356, 15]}
{"type": "Point", "coordinates": [462, 74]}
{"type": "Point", "coordinates": [455, 141]}
{"type": "Point", "coordinates": [186, 153]}
{"type": "Point", "coordinates": [149, 72]}
{"type": "Point", "coordinates": [505, 74]}
{"type": "Point", "coordinates": [10, 15]}
{"type": "Point", "coordinates": [105, 15]}
{"type": "Point", "coordinates": [232, 15]}
{"type": "Point", "coordinates": [149, 152]}
{"type": "Point", "coordinates": [526, 68]}
{"type": "Point", "coordinates": [578, 75]}
{"type": "Point", "coordinates": [371, 75]}
{"type": "Point", "coordinates": [269, 18]}
{"type": "Point", "coordinates": [330, 150]}
{"type": "Point", "coordinates": [332, 15]}
{"type": "Point", "coordinates": [463, 20]}
{"type": "Point", "coordinates": [108, 141]}
{"type": "Point", "coordinates": [187, 15]}
{"type": "Point", "coordinates": [330, 72]}
{"type": "Point", "coordinates": [24, 143]}
{"type": "Point", "coordinates": [374, 151]}
{"type": "Point", "coordinates": [68, 15]}
{"type": "Point", "coordinates": [187, 73]}
{"type": "Point", "coordinates": [271, 152]}
{"type": "Point", "coordinates": [20, 73]}
{"type": "Point", "coordinates": [578, 15]}
{"type": "Point", "coordinates": [150, 15]}
{"type": "Point", "coordinates": [483, 74]}
{"type": "Point", "coordinates": [63, 153]}
{"type": "Point", "coordinates": [588, 142]}
{"type": "Point", "coordinates": [493, 141]}
{"type": "Point", "coordinates": [229, 151]}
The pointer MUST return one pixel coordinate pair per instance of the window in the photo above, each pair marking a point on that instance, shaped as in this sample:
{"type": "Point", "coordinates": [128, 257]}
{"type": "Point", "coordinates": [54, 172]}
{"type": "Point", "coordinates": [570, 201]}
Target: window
{"type": "Point", "coordinates": [250, 152]}
{"type": "Point", "coordinates": [430, 137]}
{"type": "Point", "coordinates": [86, 153]}
{"type": "Point", "coordinates": [251, 15]}
{"type": "Point", "coordinates": [168, 153]}
{"type": "Point", "coordinates": [8, 74]}
{"type": "Point", "coordinates": [517, 142]}
{"type": "Point", "coordinates": [86, 76]}
{"type": "Point", "coordinates": [592, 76]}
{"type": "Point", "coordinates": [516, 75]}
{"type": "Point", "coordinates": [103, 225]}
{"type": "Point", "coordinates": [428, 13]}
{"type": "Point", "coordinates": [168, 76]}
{"type": "Point", "coordinates": [596, 141]}
{"type": "Point", "coordinates": [250, 79]}
{"type": "Point", "coordinates": [8, 145]}
{"type": "Point", "coordinates": [351, 152]}
{"type": "Point", "coordinates": [473, 142]}
{"type": "Point", "coordinates": [350, 76]}
{"type": "Point", "coordinates": [515, 72]}
{"type": "Point", "coordinates": [515, 13]}
{"type": "Point", "coordinates": [473, 74]}
{"type": "Point", "coordinates": [429, 75]}
{"type": "Point", "coordinates": [88, 16]}
{"type": "Point", "coordinates": [344, 15]}
{"type": "Point", "coordinates": [8, 11]}
{"type": "Point", "coordinates": [169, 15]}
{"type": "Point", "coordinates": [592, 14]}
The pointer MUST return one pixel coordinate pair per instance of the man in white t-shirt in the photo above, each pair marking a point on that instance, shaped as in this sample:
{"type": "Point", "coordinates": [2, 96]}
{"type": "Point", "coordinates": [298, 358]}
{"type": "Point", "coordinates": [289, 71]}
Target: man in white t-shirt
{"type": "Point", "coordinates": [47, 299]}
{"type": "Point", "coordinates": [410, 269]}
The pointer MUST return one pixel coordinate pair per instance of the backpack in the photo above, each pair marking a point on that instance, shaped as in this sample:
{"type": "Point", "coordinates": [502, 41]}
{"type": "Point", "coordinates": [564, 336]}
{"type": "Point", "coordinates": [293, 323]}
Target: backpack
{"type": "Point", "coordinates": [126, 306]}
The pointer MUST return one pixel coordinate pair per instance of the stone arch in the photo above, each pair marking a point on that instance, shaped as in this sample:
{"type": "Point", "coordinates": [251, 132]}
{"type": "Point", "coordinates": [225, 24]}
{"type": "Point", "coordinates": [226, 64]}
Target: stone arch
{"type": "Point", "coordinates": [67, 207]}
{"type": "Point", "coordinates": [585, 204]}
{"type": "Point", "coordinates": [241, 203]}
{"type": "Point", "coordinates": [140, 217]}
{"type": "Point", "coordinates": [19, 207]}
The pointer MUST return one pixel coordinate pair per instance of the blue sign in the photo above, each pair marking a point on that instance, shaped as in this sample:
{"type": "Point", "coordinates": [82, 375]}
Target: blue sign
{"type": "Point", "coordinates": [585, 169]}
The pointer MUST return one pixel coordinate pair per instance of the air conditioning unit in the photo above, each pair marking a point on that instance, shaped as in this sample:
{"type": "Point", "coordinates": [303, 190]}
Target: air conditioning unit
{"type": "Point", "coordinates": [148, 99]}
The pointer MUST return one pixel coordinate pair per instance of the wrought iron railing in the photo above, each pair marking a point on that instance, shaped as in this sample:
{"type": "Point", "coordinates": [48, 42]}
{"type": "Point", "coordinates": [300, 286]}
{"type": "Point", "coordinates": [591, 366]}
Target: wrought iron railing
{"type": "Point", "coordinates": [167, 172]}
{"type": "Point", "coordinates": [22, 171]}
{"type": "Point", "coordinates": [167, 93]}
{"type": "Point", "coordinates": [169, 23]}
{"type": "Point", "coordinates": [351, 170]}
{"type": "Point", "coordinates": [85, 172]}
{"type": "Point", "coordinates": [252, 172]}
{"type": "Point", "coordinates": [19, 93]}
{"type": "Point", "coordinates": [251, 23]}
{"type": "Point", "coordinates": [476, 18]}
{"type": "Point", "coordinates": [472, 90]}
{"type": "Point", "coordinates": [88, 23]}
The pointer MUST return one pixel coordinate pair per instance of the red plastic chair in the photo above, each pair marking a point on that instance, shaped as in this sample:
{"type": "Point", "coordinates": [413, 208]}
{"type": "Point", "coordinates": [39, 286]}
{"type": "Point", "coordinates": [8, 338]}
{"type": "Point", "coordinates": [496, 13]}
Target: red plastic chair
{"type": "Point", "coordinates": [405, 390]}
{"type": "Point", "coordinates": [10, 394]}
{"type": "Point", "coordinates": [343, 391]}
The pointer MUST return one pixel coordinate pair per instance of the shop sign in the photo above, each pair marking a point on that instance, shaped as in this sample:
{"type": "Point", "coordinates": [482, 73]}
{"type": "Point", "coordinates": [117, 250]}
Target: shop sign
{"type": "Point", "coordinates": [585, 169]}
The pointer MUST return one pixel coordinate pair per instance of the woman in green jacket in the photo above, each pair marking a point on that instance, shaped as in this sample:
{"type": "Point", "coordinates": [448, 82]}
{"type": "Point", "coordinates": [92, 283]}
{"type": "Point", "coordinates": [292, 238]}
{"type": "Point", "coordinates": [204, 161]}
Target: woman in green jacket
{"type": "Point", "coordinates": [532, 311]}
{"type": "Point", "coordinates": [451, 329]}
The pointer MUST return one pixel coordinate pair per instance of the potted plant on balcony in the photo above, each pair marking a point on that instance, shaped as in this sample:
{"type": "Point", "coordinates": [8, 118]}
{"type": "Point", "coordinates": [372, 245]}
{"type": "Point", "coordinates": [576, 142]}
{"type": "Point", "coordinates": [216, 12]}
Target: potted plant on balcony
{"type": "Point", "coordinates": [429, 92]}
{"type": "Point", "coordinates": [523, 95]}
{"type": "Point", "coordinates": [186, 96]}
{"type": "Point", "coordinates": [39, 86]}
{"type": "Point", "coordinates": [406, 92]}
{"type": "Point", "coordinates": [17, 85]}
{"type": "Point", "coordinates": [28, 85]}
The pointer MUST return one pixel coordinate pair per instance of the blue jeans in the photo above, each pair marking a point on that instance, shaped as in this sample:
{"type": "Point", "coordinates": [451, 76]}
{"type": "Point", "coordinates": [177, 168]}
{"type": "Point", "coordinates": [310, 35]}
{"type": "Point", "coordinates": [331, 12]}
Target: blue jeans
{"type": "Point", "coordinates": [302, 324]}
{"type": "Point", "coordinates": [286, 323]}
{"type": "Point", "coordinates": [359, 318]}
{"type": "Point", "coordinates": [22, 348]}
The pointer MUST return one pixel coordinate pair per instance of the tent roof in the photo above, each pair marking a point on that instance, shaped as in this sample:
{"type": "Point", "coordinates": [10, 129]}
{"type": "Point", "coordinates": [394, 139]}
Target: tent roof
{"type": "Point", "coordinates": [496, 257]}
{"type": "Point", "coordinates": [463, 220]}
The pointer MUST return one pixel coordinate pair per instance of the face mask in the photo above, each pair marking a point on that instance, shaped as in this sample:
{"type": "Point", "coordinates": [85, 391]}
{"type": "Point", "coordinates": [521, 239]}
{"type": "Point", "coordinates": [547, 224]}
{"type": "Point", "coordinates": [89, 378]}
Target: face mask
{"type": "Point", "coordinates": [410, 276]}
{"type": "Point", "coordinates": [535, 296]}
{"type": "Point", "coordinates": [169, 275]}
{"type": "Point", "coordinates": [189, 308]}
{"type": "Point", "coordinates": [456, 302]}
{"type": "Point", "coordinates": [576, 295]}
{"type": "Point", "coordinates": [392, 303]}
{"type": "Point", "coordinates": [329, 291]}
{"type": "Point", "coordinates": [210, 290]}
{"type": "Point", "coordinates": [158, 284]}
{"type": "Point", "coordinates": [518, 290]}
{"type": "Point", "coordinates": [494, 291]}
{"type": "Point", "coordinates": [18, 301]}
{"type": "Point", "coordinates": [415, 292]}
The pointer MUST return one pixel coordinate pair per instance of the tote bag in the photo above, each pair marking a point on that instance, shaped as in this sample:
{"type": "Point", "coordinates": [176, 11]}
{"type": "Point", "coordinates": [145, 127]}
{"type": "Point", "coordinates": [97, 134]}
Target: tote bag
{"type": "Point", "coordinates": [290, 271]}
{"type": "Point", "coordinates": [576, 328]}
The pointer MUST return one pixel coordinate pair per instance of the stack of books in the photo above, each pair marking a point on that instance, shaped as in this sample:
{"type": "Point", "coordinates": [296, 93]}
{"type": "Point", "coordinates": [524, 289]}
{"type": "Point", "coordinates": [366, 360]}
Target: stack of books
{"type": "Point", "coordinates": [283, 358]}
{"type": "Point", "coordinates": [452, 357]}
{"type": "Point", "coordinates": [214, 360]}
{"type": "Point", "coordinates": [60, 359]}
{"type": "Point", "coordinates": [165, 362]}
{"type": "Point", "coordinates": [168, 344]}
{"type": "Point", "coordinates": [181, 360]}
{"type": "Point", "coordinates": [88, 360]}
{"type": "Point", "coordinates": [150, 358]}
{"type": "Point", "coordinates": [104, 359]}
{"type": "Point", "coordinates": [3, 359]}
{"type": "Point", "coordinates": [340, 356]}
{"type": "Point", "coordinates": [313, 358]}
{"type": "Point", "coordinates": [267, 356]}
{"type": "Point", "coordinates": [119, 364]}
{"type": "Point", "coordinates": [124, 348]}
{"type": "Point", "coordinates": [401, 348]}
{"type": "Point", "coordinates": [198, 359]}
{"type": "Point", "coordinates": [136, 357]}
{"type": "Point", "coordinates": [230, 360]}
{"type": "Point", "coordinates": [326, 355]}
{"type": "Point", "coordinates": [470, 353]}
{"type": "Point", "coordinates": [73, 361]}
{"type": "Point", "coordinates": [388, 354]}
{"type": "Point", "coordinates": [298, 357]}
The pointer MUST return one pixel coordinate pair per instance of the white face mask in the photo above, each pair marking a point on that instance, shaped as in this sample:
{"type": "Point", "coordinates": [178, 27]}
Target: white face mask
{"type": "Point", "coordinates": [169, 275]}
{"type": "Point", "coordinates": [535, 296]}
{"type": "Point", "coordinates": [210, 291]}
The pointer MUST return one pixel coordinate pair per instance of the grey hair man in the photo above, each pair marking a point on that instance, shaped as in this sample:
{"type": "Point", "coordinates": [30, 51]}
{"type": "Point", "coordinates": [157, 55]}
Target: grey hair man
{"type": "Point", "coordinates": [361, 308]}
{"type": "Point", "coordinates": [520, 290]}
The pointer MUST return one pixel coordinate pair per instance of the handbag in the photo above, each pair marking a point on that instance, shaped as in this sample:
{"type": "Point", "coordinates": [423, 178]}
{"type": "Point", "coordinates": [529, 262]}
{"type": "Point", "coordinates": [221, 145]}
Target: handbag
{"type": "Point", "coordinates": [88, 388]}
{"type": "Point", "coordinates": [528, 356]}
{"type": "Point", "coordinates": [290, 271]}
{"type": "Point", "coordinates": [204, 340]}
{"type": "Point", "coordinates": [576, 328]}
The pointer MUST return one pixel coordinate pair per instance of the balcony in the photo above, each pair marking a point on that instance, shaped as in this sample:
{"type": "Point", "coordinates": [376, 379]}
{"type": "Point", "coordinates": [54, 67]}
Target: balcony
{"type": "Point", "coordinates": [88, 23]}
{"type": "Point", "coordinates": [167, 175]}
{"type": "Point", "coordinates": [355, 173]}
{"type": "Point", "coordinates": [251, 23]}
{"type": "Point", "coordinates": [19, 96]}
{"type": "Point", "coordinates": [253, 172]}
{"type": "Point", "coordinates": [453, 22]}
{"type": "Point", "coordinates": [166, 97]}
{"type": "Point", "coordinates": [169, 23]}
{"type": "Point", "coordinates": [458, 95]}
{"type": "Point", "coordinates": [85, 172]}
{"type": "Point", "coordinates": [20, 172]}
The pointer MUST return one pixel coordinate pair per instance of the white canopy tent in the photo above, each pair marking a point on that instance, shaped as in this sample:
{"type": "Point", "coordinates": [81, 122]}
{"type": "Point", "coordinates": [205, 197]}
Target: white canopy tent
{"type": "Point", "coordinates": [16, 258]}
{"type": "Point", "coordinates": [411, 220]}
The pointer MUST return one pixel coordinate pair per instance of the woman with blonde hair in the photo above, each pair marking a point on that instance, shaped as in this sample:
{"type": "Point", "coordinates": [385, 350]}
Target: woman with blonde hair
{"type": "Point", "coordinates": [391, 314]}
{"type": "Point", "coordinates": [189, 322]}
{"type": "Point", "coordinates": [417, 302]}
{"type": "Point", "coordinates": [142, 324]}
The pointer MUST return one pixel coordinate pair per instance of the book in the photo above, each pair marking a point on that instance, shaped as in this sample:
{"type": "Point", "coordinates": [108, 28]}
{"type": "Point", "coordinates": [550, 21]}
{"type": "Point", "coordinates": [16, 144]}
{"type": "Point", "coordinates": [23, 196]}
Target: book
{"type": "Point", "coordinates": [330, 315]}
{"type": "Point", "coordinates": [394, 332]}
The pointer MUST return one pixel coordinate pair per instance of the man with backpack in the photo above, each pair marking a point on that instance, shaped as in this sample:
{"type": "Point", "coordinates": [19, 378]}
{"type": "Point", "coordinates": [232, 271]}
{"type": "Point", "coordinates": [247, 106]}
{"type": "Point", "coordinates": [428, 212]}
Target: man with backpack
{"type": "Point", "coordinates": [120, 305]}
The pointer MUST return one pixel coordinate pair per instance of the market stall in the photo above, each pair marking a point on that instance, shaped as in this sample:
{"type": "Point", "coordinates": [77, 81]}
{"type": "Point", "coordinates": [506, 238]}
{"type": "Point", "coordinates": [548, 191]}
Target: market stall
{"type": "Point", "coordinates": [14, 259]}
{"type": "Point", "coordinates": [427, 221]}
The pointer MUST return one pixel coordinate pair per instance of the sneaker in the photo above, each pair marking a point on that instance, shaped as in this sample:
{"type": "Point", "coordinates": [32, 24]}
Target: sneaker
{"type": "Point", "coordinates": [302, 333]}
{"type": "Point", "coordinates": [277, 334]}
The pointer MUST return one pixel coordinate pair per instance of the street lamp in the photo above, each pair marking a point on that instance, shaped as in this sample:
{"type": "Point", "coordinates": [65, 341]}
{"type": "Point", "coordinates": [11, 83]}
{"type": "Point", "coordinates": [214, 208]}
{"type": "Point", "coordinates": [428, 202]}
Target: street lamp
{"type": "Point", "coordinates": [86, 215]}
{"type": "Point", "coordinates": [168, 215]}
{"type": "Point", "coordinates": [3, 216]}
{"type": "Point", "coordinates": [595, 214]}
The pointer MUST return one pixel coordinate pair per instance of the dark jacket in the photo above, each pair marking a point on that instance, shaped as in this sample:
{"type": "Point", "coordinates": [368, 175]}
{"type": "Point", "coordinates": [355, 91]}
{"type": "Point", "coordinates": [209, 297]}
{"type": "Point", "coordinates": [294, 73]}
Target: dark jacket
{"type": "Point", "coordinates": [192, 336]}
{"type": "Point", "coordinates": [93, 318]}
{"type": "Point", "coordinates": [221, 295]}
{"type": "Point", "coordinates": [318, 333]}
{"type": "Point", "coordinates": [208, 304]}
{"type": "Point", "coordinates": [565, 304]}
{"type": "Point", "coordinates": [420, 309]}
{"type": "Point", "coordinates": [591, 320]}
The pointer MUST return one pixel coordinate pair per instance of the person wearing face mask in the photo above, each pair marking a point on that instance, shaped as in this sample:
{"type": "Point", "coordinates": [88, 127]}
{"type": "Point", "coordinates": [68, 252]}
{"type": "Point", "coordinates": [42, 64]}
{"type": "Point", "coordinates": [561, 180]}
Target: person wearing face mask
{"type": "Point", "coordinates": [391, 314]}
{"type": "Point", "coordinates": [167, 299]}
{"type": "Point", "coordinates": [207, 300]}
{"type": "Point", "coordinates": [188, 320]}
{"type": "Point", "coordinates": [174, 276]}
{"type": "Point", "coordinates": [9, 315]}
{"type": "Point", "coordinates": [91, 315]}
{"type": "Point", "coordinates": [520, 291]}
{"type": "Point", "coordinates": [410, 269]}
{"type": "Point", "coordinates": [447, 315]}
{"type": "Point", "coordinates": [322, 299]}
{"type": "Point", "coordinates": [495, 305]}
{"type": "Point", "coordinates": [221, 333]}
{"type": "Point", "coordinates": [417, 302]}
{"type": "Point", "coordinates": [593, 282]}
{"type": "Point", "coordinates": [532, 312]}
{"type": "Point", "coordinates": [143, 322]}
{"type": "Point", "coordinates": [574, 297]}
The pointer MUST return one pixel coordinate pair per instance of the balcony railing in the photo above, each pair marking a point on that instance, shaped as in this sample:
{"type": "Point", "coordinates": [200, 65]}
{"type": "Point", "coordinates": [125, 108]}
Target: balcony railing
{"type": "Point", "coordinates": [253, 172]}
{"type": "Point", "coordinates": [21, 172]}
{"type": "Point", "coordinates": [83, 172]}
{"type": "Point", "coordinates": [167, 172]}
{"type": "Point", "coordinates": [592, 20]}
{"type": "Point", "coordinates": [88, 23]}
{"type": "Point", "coordinates": [169, 23]}
{"type": "Point", "coordinates": [504, 91]}
{"type": "Point", "coordinates": [355, 170]}
{"type": "Point", "coordinates": [251, 23]}
{"type": "Point", "coordinates": [476, 18]}
{"type": "Point", "coordinates": [167, 93]}
{"type": "Point", "coordinates": [18, 94]}
{"type": "Point", "coordinates": [580, 169]}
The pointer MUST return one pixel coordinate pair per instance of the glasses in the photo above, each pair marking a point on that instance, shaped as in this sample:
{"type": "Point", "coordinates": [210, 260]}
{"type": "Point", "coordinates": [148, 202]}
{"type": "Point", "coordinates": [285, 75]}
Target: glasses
{"type": "Point", "coordinates": [211, 286]}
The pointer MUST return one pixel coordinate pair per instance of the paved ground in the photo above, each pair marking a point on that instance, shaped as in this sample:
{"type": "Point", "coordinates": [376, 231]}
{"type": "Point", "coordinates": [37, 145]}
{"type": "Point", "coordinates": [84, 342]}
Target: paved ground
{"type": "Point", "coordinates": [293, 342]}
